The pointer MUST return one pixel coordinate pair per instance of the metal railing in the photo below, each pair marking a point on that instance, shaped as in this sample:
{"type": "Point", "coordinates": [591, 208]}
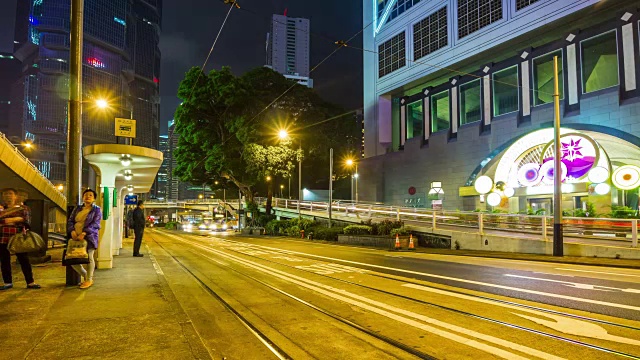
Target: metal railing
{"type": "Point", "coordinates": [21, 155]}
{"type": "Point", "coordinates": [624, 230]}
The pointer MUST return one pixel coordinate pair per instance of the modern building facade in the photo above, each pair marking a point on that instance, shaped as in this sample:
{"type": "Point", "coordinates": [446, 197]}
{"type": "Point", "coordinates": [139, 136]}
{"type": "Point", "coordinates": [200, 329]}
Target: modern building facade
{"type": "Point", "coordinates": [120, 63]}
{"type": "Point", "coordinates": [288, 45]}
{"type": "Point", "coordinates": [163, 177]}
{"type": "Point", "coordinates": [461, 89]}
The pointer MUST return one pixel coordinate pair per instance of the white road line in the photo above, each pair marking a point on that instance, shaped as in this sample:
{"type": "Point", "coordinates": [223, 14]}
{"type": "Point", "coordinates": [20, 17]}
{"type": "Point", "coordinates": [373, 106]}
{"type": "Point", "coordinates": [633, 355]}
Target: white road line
{"type": "Point", "coordinates": [577, 285]}
{"type": "Point", "coordinates": [378, 307]}
{"type": "Point", "coordinates": [535, 292]}
{"type": "Point", "coordinates": [598, 272]}
{"type": "Point", "coordinates": [560, 323]}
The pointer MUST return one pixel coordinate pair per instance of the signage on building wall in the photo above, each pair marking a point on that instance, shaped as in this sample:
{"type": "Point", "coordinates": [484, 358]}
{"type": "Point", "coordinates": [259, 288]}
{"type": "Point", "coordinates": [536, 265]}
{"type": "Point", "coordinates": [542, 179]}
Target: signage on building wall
{"type": "Point", "coordinates": [131, 199]}
{"type": "Point", "coordinates": [436, 204]}
{"type": "Point", "coordinates": [125, 128]}
{"type": "Point", "coordinates": [417, 200]}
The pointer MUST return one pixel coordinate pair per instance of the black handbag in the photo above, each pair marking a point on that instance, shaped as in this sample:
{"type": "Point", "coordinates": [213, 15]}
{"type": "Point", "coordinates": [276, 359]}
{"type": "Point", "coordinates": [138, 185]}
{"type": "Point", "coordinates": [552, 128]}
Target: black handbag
{"type": "Point", "coordinates": [75, 253]}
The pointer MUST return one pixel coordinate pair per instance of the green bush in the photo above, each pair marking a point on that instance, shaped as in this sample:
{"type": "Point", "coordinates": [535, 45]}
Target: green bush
{"type": "Point", "coordinates": [293, 231]}
{"type": "Point", "coordinates": [401, 231]}
{"type": "Point", "coordinates": [384, 227]}
{"type": "Point", "coordinates": [357, 230]}
{"type": "Point", "coordinates": [277, 227]}
{"type": "Point", "coordinates": [171, 225]}
{"type": "Point", "coordinates": [303, 224]}
{"type": "Point", "coordinates": [264, 219]}
{"type": "Point", "coordinates": [324, 233]}
{"type": "Point", "coordinates": [623, 212]}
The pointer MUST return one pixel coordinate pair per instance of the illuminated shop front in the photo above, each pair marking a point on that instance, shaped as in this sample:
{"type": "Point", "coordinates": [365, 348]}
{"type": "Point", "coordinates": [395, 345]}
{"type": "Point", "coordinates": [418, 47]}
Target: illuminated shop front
{"type": "Point", "coordinates": [597, 168]}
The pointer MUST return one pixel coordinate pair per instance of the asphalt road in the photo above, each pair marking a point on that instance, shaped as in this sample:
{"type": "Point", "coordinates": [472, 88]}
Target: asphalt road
{"type": "Point", "coordinates": [262, 297]}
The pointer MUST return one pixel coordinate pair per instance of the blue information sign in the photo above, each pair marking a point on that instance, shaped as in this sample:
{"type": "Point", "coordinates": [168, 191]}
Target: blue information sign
{"type": "Point", "coordinates": [131, 199]}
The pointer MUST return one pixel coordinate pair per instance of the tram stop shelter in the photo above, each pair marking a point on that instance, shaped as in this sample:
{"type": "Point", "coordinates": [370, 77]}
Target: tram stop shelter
{"type": "Point", "coordinates": [121, 170]}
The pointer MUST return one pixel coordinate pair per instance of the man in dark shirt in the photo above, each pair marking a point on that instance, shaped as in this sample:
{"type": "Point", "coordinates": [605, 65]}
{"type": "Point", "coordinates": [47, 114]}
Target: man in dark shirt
{"type": "Point", "coordinates": [138, 227]}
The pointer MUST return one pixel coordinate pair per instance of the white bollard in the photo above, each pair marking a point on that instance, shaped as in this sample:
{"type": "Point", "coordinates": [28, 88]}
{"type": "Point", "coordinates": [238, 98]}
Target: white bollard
{"type": "Point", "coordinates": [481, 223]}
{"type": "Point", "coordinates": [544, 228]}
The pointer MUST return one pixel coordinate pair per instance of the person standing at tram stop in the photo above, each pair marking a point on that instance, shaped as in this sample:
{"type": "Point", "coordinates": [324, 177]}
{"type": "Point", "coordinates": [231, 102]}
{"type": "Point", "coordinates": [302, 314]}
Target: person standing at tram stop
{"type": "Point", "coordinates": [14, 217]}
{"type": "Point", "coordinates": [84, 224]}
{"type": "Point", "coordinates": [138, 227]}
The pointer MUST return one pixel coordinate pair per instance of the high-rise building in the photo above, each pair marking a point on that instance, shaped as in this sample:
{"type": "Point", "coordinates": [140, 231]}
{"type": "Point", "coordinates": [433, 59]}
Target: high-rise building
{"type": "Point", "coordinates": [120, 63]}
{"type": "Point", "coordinates": [457, 91]}
{"type": "Point", "coordinates": [163, 177]}
{"type": "Point", "coordinates": [173, 184]}
{"type": "Point", "coordinates": [288, 48]}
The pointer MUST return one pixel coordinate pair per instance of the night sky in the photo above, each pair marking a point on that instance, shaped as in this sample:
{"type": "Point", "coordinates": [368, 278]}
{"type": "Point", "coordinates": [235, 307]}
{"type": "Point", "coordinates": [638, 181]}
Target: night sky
{"type": "Point", "coordinates": [189, 27]}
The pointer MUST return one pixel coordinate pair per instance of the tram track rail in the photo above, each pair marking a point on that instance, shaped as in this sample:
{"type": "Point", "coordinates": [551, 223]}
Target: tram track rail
{"type": "Point", "coordinates": [461, 312]}
{"type": "Point", "coordinates": [277, 351]}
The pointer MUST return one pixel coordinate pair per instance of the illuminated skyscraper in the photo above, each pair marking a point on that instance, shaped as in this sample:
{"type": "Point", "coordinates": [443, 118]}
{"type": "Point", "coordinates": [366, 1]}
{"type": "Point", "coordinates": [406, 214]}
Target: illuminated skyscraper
{"type": "Point", "coordinates": [121, 64]}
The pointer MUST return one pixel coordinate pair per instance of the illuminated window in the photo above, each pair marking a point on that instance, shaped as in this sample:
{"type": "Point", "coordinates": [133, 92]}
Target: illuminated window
{"type": "Point", "coordinates": [440, 118]}
{"type": "Point", "coordinates": [505, 91]}
{"type": "Point", "coordinates": [398, 8]}
{"type": "Point", "coordinates": [430, 34]}
{"type": "Point", "coordinates": [521, 4]}
{"type": "Point", "coordinates": [470, 104]}
{"type": "Point", "coordinates": [599, 62]}
{"type": "Point", "coordinates": [391, 55]}
{"type": "Point", "coordinates": [96, 63]}
{"type": "Point", "coordinates": [543, 79]}
{"type": "Point", "coordinates": [414, 119]}
{"type": "Point", "coordinates": [473, 15]}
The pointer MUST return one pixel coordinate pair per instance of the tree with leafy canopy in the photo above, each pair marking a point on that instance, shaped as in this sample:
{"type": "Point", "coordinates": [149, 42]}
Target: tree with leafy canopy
{"type": "Point", "coordinates": [224, 137]}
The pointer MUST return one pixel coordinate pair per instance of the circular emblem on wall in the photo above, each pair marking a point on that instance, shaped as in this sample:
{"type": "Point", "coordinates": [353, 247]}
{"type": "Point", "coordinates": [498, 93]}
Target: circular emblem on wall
{"type": "Point", "coordinates": [626, 177]}
{"type": "Point", "coordinates": [412, 190]}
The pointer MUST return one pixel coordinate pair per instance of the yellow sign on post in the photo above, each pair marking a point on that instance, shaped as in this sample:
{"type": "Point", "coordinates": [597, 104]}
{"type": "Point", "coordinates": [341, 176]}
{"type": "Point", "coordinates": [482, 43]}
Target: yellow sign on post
{"type": "Point", "coordinates": [125, 128]}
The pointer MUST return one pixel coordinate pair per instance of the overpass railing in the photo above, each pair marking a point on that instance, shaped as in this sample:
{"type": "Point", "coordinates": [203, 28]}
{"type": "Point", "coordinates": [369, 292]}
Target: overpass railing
{"type": "Point", "coordinates": [625, 230]}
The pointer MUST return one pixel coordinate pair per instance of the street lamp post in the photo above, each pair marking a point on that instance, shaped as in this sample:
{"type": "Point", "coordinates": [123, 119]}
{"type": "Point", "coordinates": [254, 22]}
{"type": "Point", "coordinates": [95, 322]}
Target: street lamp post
{"type": "Point", "coordinates": [283, 134]}
{"type": "Point", "coordinates": [354, 176]}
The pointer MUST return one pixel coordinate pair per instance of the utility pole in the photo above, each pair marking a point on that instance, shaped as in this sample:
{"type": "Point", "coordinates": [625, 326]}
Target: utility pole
{"type": "Point", "coordinates": [330, 182]}
{"type": "Point", "coordinates": [299, 179]}
{"type": "Point", "coordinates": [558, 246]}
{"type": "Point", "coordinates": [74, 123]}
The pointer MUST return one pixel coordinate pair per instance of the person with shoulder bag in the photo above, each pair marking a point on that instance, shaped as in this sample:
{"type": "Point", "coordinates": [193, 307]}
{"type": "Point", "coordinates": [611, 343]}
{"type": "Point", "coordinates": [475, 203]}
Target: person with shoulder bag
{"type": "Point", "coordinates": [13, 221]}
{"type": "Point", "coordinates": [84, 225]}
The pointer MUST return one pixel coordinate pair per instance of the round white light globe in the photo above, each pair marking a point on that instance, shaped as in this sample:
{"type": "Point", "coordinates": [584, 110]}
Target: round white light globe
{"type": "Point", "coordinates": [602, 189]}
{"type": "Point", "coordinates": [483, 184]}
{"type": "Point", "coordinates": [494, 199]}
{"type": "Point", "coordinates": [509, 192]}
{"type": "Point", "coordinates": [598, 175]}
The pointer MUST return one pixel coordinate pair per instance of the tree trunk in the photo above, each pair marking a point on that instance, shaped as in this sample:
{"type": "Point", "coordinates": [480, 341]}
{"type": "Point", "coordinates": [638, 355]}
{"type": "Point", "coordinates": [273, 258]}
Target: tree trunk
{"type": "Point", "coordinates": [269, 196]}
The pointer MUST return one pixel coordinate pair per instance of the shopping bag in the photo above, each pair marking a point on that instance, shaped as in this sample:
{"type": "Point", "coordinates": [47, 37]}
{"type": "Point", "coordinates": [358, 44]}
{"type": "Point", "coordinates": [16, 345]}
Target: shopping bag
{"type": "Point", "coordinates": [75, 253]}
{"type": "Point", "coordinates": [26, 241]}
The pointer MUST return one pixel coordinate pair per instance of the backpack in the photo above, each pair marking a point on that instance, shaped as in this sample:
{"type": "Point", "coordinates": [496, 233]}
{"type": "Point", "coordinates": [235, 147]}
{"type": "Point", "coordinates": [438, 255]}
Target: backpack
{"type": "Point", "coordinates": [130, 218]}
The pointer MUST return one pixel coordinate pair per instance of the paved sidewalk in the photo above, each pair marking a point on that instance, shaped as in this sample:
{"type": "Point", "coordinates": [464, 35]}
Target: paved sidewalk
{"type": "Point", "coordinates": [129, 313]}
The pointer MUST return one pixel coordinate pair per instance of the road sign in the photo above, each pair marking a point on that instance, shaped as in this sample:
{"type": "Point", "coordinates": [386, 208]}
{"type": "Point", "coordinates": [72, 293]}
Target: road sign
{"type": "Point", "coordinates": [131, 199]}
{"type": "Point", "coordinates": [125, 128]}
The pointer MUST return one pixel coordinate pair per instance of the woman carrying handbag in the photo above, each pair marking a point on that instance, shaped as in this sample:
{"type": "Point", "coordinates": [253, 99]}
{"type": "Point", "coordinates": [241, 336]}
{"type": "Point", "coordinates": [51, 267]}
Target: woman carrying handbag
{"type": "Point", "coordinates": [13, 219]}
{"type": "Point", "coordinates": [84, 225]}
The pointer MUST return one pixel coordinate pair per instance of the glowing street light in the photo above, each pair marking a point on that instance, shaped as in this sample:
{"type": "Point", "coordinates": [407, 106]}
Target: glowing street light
{"type": "Point", "coordinates": [350, 163]}
{"type": "Point", "coordinates": [268, 178]}
{"type": "Point", "coordinates": [102, 103]}
{"type": "Point", "coordinates": [60, 187]}
{"type": "Point", "coordinates": [283, 134]}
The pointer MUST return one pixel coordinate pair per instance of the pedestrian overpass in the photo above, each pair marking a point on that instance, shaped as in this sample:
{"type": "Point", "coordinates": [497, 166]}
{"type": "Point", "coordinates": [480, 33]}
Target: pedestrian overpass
{"type": "Point", "coordinates": [18, 172]}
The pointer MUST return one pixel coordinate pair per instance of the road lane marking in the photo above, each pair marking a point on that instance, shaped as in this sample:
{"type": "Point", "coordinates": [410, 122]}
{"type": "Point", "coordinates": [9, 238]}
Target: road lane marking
{"type": "Point", "coordinates": [598, 272]}
{"type": "Point", "coordinates": [562, 324]}
{"type": "Point", "coordinates": [382, 308]}
{"type": "Point", "coordinates": [504, 287]}
{"type": "Point", "coordinates": [577, 285]}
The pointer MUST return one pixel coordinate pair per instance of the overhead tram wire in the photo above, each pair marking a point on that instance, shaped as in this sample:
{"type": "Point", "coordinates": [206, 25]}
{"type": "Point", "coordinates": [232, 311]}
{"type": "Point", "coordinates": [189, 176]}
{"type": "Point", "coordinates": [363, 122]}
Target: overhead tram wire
{"type": "Point", "coordinates": [232, 4]}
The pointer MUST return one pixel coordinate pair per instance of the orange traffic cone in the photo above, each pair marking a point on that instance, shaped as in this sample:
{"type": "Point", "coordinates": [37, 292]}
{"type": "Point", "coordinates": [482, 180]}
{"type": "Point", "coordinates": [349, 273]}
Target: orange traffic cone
{"type": "Point", "coordinates": [397, 246]}
{"type": "Point", "coordinates": [411, 246]}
